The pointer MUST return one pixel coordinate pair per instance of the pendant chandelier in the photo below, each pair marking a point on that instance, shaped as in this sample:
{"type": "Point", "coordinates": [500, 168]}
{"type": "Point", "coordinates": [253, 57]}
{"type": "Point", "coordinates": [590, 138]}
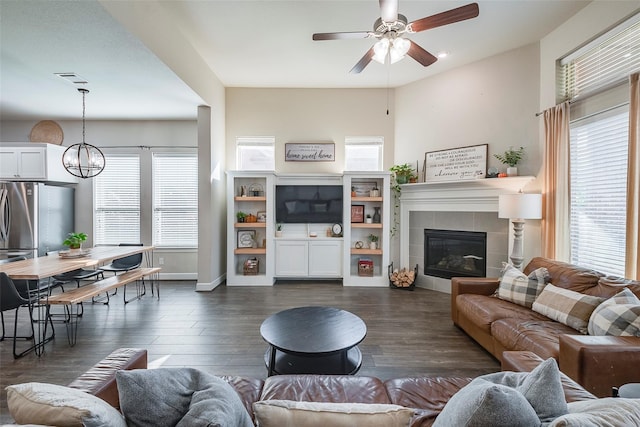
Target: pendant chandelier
{"type": "Point", "coordinates": [83, 160]}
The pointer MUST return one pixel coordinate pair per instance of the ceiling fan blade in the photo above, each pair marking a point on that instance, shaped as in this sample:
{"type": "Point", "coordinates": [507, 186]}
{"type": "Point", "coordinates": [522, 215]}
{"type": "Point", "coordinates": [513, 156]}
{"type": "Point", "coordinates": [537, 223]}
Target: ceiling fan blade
{"type": "Point", "coordinates": [389, 10]}
{"type": "Point", "coordinates": [421, 55]}
{"type": "Point", "coordinates": [449, 17]}
{"type": "Point", "coordinates": [364, 61]}
{"type": "Point", "coordinates": [342, 36]}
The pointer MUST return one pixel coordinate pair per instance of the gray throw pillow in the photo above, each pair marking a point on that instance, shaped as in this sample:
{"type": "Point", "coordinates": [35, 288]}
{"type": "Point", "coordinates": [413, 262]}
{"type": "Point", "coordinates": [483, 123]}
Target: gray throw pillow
{"type": "Point", "coordinates": [541, 387]}
{"type": "Point", "coordinates": [484, 404]}
{"type": "Point", "coordinates": [179, 397]}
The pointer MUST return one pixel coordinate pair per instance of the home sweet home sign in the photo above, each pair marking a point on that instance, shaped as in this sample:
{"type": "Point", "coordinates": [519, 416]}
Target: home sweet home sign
{"type": "Point", "coordinates": [310, 152]}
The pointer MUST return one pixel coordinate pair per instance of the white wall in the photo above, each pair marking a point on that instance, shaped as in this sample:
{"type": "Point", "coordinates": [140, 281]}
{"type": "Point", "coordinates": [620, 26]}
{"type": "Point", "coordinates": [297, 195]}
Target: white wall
{"type": "Point", "coordinates": [309, 115]}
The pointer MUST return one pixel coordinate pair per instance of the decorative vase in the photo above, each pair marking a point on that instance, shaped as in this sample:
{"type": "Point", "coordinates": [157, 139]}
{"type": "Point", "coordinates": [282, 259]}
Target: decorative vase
{"type": "Point", "coordinates": [376, 215]}
{"type": "Point", "coordinates": [402, 179]}
{"type": "Point", "coordinates": [512, 171]}
{"type": "Point", "coordinates": [75, 251]}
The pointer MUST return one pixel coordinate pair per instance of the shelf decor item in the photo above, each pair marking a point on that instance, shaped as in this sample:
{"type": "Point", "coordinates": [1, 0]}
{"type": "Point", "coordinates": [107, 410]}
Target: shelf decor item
{"type": "Point", "coordinates": [74, 242]}
{"type": "Point", "coordinates": [357, 213]}
{"type": "Point", "coordinates": [246, 238]}
{"type": "Point", "coordinates": [376, 215]}
{"type": "Point", "coordinates": [251, 267]}
{"type": "Point", "coordinates": [365, 267]}
{"type": "Point", "coordinates": [373, 241]}
{"type": "Point", "coordinates": [511, 158]}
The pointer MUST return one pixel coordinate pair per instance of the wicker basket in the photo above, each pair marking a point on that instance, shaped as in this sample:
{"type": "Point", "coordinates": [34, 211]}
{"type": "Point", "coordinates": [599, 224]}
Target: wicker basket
{"type": "Point", "coordinates": [411, 286]}
{"type": "Point", "coordinates": [365, 268]}
{"type": "Point", "coordinates": [251, 267]}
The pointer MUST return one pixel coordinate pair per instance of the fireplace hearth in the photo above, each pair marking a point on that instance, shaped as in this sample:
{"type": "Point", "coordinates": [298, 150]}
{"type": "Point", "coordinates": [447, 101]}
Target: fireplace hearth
{"type": "Point", "coordinates": [453, 253]}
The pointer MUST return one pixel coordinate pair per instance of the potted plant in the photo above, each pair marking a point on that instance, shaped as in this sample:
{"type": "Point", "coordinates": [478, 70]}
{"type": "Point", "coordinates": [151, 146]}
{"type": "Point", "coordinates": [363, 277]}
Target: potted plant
{"type": "Point", "coordinates": [368, 219]}
{"type": "Point", "coordinates": [373, 241]}
{"type": "Point", "coordinates": [241, 216]}
{"type": "Point", "coordinates": [402, 173]}
{"type": "Point", "coordinates": [511, 158]}
{"type": "Point", "coordinates": [278, 230]}
{"type": "Point", "coordinates": [74, 241]}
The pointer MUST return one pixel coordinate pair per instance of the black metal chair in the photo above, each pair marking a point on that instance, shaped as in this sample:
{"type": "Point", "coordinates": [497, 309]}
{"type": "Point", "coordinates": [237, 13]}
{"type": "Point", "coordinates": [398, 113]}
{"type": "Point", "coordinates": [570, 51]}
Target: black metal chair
{"type": "Point", "coordinates": [10, 299]}
{"type": "Point", "coordinates": [121, 265]}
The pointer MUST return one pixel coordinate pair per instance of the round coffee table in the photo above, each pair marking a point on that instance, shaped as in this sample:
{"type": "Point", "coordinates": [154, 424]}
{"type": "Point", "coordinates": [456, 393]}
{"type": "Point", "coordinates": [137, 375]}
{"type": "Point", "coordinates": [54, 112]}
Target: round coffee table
{"type": "Point", "coordinates": [313, 340]}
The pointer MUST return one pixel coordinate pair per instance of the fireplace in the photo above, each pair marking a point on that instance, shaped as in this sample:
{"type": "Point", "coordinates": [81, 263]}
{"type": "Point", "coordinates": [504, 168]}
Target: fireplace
{"type": "Point", "coordinates": [449, 253]}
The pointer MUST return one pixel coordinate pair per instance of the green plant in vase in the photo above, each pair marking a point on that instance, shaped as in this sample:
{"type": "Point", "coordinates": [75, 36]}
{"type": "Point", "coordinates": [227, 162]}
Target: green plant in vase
{"type": "Point", "coordinates": [74, 240]}
{"type": "Point", "coordinates": [373, 241]}
{"type": "Point", "coordinates": [401, 175]}
{"type": "Point", "coordinates": [241, 216]}
{"type": "Point", "coordinates": [511, 158]}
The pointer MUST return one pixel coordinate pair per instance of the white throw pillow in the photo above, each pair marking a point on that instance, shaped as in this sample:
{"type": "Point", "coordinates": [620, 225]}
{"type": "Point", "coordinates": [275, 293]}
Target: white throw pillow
{"type": "Point", "coordinates": [279, 413]}
{"type": "Point", "coordinates": [50, 404]}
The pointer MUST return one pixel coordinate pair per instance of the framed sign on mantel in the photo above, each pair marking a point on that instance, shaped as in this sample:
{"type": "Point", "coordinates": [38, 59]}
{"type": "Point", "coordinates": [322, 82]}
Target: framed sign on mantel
{"type": "Point", "coordinates": [310, 152]}
{"type": "Point", "coordinates": [456, 164]}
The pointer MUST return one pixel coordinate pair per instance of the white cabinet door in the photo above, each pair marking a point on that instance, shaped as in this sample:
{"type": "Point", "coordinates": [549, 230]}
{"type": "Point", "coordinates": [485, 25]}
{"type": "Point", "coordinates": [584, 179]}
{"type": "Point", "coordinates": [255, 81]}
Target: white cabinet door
{"type": "Point", "coordinates": [292, 258]}
{"type": "Point", "coordinates": [325, 258]}
{"type": "Point", "coordinates": [22, 163]}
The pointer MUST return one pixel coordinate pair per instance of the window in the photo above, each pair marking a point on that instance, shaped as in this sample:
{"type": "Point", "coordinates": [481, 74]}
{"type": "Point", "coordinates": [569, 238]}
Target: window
{"type": "Point", "coordinates": [175, 200]}
{"type": "Point", "coordinates": [117, 201]}
{"type": "Point", "coordinates": [595, 80]}
{"type": "Point", "coordinates": [255, 153]}
{"type": "Point", "coordinates": [363, 153]}
{"type": "Point", "coordinates": [598, 156]}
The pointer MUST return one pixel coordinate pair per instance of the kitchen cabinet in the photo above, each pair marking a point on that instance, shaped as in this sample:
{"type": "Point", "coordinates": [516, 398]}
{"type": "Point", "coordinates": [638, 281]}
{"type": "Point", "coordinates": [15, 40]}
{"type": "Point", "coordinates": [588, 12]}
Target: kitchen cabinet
{"type": "Point", "coordinates": [309, 258]}
{"type": "Point", "coordinates": [33, 162]}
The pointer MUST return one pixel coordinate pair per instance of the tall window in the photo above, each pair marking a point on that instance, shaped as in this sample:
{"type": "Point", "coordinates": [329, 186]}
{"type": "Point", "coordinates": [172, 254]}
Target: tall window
{"type": "Point", "coordinates": [117, 201]}
{"type": "Point", "coordinates": [598, 190]}
{"type": "Point", "coordinates": [175, 200]}
{"type": "Point", "coordinates": [595, 80]}
{"type": "Point", "coordinates": [363, 153]}
{"type": "Point", "coordinates": [255, 153]}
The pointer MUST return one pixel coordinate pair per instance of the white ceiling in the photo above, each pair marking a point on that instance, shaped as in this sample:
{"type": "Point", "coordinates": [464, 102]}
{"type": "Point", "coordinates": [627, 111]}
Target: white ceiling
{"type": "Point", "coordinates": [261, 43]}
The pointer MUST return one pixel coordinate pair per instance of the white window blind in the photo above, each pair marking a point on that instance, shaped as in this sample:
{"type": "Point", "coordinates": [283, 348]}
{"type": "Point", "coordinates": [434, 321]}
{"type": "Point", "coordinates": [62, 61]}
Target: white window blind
{"type": "Point", "coordinates": [175, 200]}
{"type": "Point", "coordinates": [255, 153]}
{"type": "Point", "coordinates": [598, 156]}
{"type": "Point", "coordinates": [363, 153]}
{"type": "Point", "coordinates": [117, 201]}
{"type": "Point", "coordinates": [601, 63]}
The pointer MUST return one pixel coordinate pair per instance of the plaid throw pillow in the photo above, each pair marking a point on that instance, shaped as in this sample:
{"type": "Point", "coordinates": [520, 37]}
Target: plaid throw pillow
{"type": "Point", "coordinates": [567, 307]}
{"type": "Point", "coordinates": [619, 316]}
{"type": "Point", "coordinates": [519, 289]}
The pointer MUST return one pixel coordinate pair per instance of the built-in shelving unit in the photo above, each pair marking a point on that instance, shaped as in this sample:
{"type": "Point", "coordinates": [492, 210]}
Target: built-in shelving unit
{"type": "Point", "coordinates": [307, 250]}
{"type": "Point", "coordinates": [250, 241]}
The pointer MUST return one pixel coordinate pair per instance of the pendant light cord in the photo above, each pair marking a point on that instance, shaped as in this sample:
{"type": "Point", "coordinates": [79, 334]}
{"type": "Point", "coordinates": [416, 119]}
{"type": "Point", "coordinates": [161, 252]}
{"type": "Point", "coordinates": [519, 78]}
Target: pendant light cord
{"type": "Point", "coordinates": [84, 93]}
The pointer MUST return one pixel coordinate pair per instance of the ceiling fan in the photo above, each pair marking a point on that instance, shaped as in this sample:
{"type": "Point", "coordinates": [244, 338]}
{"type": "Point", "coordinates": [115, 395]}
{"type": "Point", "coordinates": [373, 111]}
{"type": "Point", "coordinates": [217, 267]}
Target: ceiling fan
{"type": "Point", "coordinates": [390, 29]}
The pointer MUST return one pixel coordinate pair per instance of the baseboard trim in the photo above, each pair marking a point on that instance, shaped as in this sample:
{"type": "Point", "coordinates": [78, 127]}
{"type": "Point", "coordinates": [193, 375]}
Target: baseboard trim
{"type": "Point", "coordinates": [178, 276]}
{"type": "Point", "coordinates": [206, 287]}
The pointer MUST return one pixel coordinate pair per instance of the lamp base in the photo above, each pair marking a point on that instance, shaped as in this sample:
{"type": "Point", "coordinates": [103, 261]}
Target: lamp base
{"type": "Point", "coordinates": [516, 256]}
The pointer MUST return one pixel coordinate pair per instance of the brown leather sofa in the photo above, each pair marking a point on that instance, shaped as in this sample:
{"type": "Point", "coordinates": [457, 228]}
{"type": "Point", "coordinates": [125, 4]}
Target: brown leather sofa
{"type": "Point", "coordinates": [598, 363]}
{"type": "Point", "coordinates": [427, 395]}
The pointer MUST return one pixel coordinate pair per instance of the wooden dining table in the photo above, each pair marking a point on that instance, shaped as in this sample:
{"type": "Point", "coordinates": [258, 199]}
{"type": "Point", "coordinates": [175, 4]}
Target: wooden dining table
{"type": "Point", "coordinates": [54, 264]}
{"type": "Point", "coordinates": [36, 269]}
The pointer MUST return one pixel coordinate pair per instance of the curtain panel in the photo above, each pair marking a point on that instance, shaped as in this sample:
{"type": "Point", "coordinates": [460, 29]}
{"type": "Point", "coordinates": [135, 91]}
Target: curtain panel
{"type": "Point", "coordinates": [555, 202]}
{"type": "Point", "coordinates": [632, 255]}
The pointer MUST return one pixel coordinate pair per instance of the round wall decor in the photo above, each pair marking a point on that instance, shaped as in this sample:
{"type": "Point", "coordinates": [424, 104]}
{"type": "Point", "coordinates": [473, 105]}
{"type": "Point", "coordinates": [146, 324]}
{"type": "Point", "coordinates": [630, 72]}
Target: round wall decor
{"type": "Point", "coordinates": [47, 131]}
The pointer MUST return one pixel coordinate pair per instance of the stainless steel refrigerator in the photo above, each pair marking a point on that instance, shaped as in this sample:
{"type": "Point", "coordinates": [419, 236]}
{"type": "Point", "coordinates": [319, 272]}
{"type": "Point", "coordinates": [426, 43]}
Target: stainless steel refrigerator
{"type": "Point", "coordinates": [34, 218]}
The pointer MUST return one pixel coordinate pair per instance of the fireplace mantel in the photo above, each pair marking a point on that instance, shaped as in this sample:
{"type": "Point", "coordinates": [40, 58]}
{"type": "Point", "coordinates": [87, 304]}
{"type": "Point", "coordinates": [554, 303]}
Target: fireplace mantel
{"type": "Point", "coordinates": [479, 195]}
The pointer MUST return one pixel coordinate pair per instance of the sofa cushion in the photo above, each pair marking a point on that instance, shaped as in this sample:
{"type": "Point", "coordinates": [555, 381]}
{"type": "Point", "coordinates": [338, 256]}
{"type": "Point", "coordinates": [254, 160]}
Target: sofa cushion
{"type": "Point", "coordinates": [568, 307]}
{"type": "Point", "coordinates": [50, 404]}
{"type": "Point", "coordinates": [619, 316]}
{"type": "Point", "coordinates": [518, 288]}
{"type": "Point", "coordinates": [567, 276]}
{"type": "Point", "coordinates": [279, 413]}
{"type": "Point", "coordinates": [483, 310]}
{"type": "Point", "coordinates": [485, 404]}
{"type": "Point", "coordinates": [606, 412]}
{"type": "Point", "coordinates": [179, 397]}
{"type": "Point", "coordinates": [538, 336]}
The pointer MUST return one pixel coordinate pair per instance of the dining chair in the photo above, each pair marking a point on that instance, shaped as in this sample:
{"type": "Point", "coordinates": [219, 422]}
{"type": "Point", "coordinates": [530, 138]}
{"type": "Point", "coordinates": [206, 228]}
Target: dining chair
{"type": "Point", "coordinates": [10, 299]}
{"type": "Point", "coordinates": [127, 263]}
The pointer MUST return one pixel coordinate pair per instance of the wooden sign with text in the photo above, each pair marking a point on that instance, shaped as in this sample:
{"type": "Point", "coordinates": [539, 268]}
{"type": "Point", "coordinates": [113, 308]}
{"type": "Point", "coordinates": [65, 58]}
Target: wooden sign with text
{"type": "Point", "coordinates": [456, 164]}
{"type": "Point", "coordinates": [310, 152]}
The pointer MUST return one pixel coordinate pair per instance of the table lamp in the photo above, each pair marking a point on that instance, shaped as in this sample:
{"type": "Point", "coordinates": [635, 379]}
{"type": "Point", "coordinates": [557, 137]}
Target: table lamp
{"type": "Point", "coordinates": [517, 208]}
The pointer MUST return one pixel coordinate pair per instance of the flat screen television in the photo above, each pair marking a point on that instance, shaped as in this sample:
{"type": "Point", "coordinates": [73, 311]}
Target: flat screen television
{"type": "Point", "coordinates": [308, 203]}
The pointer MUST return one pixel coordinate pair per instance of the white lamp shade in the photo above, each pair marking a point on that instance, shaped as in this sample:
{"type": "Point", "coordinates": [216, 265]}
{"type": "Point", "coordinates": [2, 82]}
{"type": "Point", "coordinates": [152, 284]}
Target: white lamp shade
{"type": "Point", "coordinates": [520, 206]}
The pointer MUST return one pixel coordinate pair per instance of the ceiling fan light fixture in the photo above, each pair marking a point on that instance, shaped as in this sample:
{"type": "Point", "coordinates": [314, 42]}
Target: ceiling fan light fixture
{"type": "Point", "coordinates": [83, 160]}
{"type": "Point", "coordinates": [399, 49]}
{"type": "Point", "coordinates": [380, 50]}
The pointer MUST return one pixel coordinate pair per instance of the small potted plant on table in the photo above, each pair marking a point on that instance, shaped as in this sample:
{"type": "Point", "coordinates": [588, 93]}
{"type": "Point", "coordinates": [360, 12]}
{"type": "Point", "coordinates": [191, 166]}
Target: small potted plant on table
{"type": "Point", "coordinates": [74, 242]}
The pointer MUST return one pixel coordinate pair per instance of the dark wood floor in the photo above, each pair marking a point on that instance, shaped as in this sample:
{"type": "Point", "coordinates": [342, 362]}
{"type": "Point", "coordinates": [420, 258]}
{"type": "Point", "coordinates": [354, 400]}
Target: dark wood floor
{"type": "Point", "coordinates": [409, 333]}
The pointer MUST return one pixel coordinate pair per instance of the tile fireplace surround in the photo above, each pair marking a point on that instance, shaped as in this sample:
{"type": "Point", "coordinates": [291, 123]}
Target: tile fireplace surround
{"type": "Point", "coordinates": [461, 205]}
